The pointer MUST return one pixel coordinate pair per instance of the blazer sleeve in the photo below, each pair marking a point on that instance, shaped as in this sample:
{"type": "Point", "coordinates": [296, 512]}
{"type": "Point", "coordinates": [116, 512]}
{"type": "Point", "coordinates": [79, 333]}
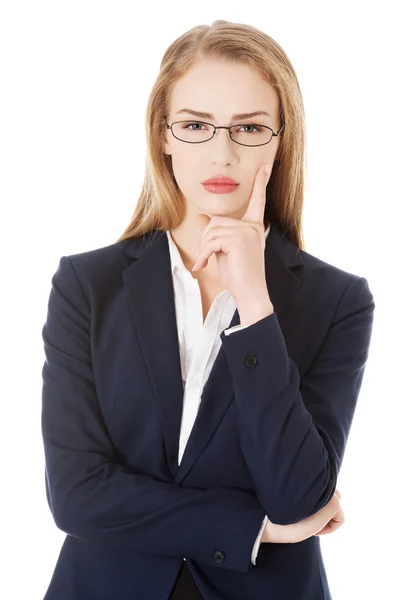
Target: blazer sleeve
{"type": "Point", "coordinates": [93, 497]}
{"type": "Point", "coordinates": [293, 431]}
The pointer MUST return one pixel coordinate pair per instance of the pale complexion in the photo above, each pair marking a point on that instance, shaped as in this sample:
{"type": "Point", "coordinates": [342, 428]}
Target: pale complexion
{"type": "Point", "coordinates": [212, 86]}
{"type": "Point", "coordinates": [224, 89]}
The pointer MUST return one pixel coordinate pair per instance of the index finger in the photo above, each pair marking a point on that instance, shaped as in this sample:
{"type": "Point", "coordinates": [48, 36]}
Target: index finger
{"type": "Point", "coordinates": [256, 207]}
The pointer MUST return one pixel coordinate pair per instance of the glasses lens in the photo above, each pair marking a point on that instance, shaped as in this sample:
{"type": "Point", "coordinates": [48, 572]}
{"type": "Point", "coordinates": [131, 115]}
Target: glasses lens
{"type": "Point", "coordinates": [251, 135]}
{"type": "Point", "coordinates": [192, 131]}
{"type": "Point", "coordinates": [198, 131]}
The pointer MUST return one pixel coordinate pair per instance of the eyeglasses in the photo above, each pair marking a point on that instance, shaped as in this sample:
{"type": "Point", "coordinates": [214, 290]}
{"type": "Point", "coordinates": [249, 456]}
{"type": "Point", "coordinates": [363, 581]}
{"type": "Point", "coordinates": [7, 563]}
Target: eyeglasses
{"type": "Point", "coordinates": [184, 131]}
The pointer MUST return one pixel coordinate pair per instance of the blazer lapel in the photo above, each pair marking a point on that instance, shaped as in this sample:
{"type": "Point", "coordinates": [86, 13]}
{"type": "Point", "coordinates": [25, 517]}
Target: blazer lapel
{"type": "Point", "coordinates": [149, 285]}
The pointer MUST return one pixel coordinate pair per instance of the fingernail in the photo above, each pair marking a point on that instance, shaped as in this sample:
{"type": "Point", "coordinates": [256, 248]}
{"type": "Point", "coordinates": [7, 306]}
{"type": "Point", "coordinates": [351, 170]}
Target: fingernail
{"type": "Point", "coordinates": [267, 169]}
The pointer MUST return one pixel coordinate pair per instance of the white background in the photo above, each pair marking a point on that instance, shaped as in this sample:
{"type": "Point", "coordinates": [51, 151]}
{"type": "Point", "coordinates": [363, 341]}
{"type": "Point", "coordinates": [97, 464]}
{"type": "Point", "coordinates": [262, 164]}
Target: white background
{"type": "Point", "coordinates": [75, 79]}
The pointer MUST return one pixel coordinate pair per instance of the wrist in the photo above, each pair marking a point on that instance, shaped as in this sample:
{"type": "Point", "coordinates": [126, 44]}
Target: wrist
{"type": "Point", "coordinates": [254, 311]}
{"type": "Point", "coordinates": [266, 534]}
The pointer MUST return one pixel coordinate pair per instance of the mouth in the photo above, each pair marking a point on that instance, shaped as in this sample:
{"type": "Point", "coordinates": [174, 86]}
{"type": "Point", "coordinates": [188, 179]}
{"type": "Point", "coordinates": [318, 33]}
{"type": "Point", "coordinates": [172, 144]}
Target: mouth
{"type": "Point", "coordinates": [221, 180]}
{"type": "Point", "coordinates": [220, 188]}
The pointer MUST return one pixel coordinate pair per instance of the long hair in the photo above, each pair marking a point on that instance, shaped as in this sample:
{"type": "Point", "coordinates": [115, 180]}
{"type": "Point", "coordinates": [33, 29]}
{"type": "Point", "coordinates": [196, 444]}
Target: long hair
{"type": "Point", "coordinates": [161, 203]}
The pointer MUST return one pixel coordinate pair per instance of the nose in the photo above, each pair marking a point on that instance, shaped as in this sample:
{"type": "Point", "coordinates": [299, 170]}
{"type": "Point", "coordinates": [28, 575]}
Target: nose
{"type": "Point", "coordinates": [222, 130]}
{"type": "Point", "coordinates": [223, 148]}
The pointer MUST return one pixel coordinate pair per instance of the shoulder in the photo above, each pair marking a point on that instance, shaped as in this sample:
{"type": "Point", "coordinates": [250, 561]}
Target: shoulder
{"type": "Point", "coordinates": [96, 270]}
{"type": "Point", "coordinates": [313, 271]}
{"type": "Point", "coordinates": [99, 259]}
{"type": "Point", "coordinates": [330, 280]}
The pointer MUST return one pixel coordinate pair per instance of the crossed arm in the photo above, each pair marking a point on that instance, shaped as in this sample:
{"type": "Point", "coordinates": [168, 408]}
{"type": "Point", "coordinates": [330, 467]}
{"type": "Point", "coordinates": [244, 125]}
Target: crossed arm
{"type": "Point", "coordinates": [93, 497]}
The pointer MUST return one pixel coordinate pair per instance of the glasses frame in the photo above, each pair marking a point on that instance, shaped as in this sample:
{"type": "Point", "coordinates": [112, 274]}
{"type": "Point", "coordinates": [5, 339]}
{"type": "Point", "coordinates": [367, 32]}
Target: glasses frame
{"type": "Point", "coordinates": [224, 127]}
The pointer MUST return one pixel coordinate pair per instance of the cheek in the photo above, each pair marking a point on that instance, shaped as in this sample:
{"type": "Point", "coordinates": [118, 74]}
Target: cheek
{"type": "Point", "coordinates": [187, 172]}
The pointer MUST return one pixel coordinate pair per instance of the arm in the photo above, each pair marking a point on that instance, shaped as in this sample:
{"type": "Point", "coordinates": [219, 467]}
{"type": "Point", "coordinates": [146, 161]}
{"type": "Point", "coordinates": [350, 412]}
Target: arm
{"type": "Point", "coordinates": [262, 532]}
{"type": "Point", "coordinates": [293, 433]}
{"type": "Point", "coordinates": [327, 520]}
{"type": "Point", "coordinates": [90, 495]}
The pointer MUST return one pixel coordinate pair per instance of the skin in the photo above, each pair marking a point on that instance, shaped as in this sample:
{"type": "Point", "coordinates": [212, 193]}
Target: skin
{"type": "Point", "coordinates": [239, 246]}
{"type": "Point", "coordinates": [213, 87]}
{"type": "Point", "coordinates": [325, 521]}
{"type": "Point", "coordinates": [222, 235]}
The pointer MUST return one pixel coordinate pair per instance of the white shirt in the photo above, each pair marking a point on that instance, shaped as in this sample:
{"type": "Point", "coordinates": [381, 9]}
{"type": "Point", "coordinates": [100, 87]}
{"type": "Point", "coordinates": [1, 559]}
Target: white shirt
{"type": "Point", "coordinates": [199, 344]}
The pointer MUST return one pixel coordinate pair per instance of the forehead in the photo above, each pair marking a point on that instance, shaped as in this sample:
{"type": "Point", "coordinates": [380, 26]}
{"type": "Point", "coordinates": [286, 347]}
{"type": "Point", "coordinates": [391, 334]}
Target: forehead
{"type": "Point", "coordinates": [220, 90]}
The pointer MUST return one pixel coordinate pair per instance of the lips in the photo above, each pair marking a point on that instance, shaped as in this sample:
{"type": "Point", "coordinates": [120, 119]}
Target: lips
{"type": "Point", "coordinates": [220, 181]}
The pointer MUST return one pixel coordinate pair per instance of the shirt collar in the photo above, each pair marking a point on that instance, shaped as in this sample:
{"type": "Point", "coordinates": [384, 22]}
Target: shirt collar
{"type": "Point", "coordinates": [176, 259]}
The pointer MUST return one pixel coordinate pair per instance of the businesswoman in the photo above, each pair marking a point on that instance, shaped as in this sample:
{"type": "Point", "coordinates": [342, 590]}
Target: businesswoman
{"type": "Point", "coordinates": [202, 372]}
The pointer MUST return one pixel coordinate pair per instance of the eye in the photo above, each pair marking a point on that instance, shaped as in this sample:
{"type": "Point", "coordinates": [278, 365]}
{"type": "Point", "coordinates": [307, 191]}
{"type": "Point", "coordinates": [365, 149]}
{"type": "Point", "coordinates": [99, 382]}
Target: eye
{"type": "Point", "coordinates": [257, 127]}
{"type": "Point", "coordinates": [192, 123]}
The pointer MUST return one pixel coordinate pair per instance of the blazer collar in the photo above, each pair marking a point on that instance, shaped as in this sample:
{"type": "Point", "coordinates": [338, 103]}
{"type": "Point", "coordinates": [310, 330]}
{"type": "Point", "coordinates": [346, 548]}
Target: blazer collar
{"type": "Point", "coordinates": [149, 287]}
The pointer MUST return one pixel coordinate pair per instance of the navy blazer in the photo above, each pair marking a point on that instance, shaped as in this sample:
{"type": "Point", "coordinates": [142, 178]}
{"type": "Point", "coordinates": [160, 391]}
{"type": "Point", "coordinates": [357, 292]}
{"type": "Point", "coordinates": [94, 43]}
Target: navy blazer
{"type": "Point", "coordinates": [269, 437]}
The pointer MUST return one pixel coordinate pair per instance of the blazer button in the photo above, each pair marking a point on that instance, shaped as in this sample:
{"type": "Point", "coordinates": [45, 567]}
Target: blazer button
{"type": "Point", "coordinates": [250, 360]}
{"type": "Point", "coordinates": [219, 556]}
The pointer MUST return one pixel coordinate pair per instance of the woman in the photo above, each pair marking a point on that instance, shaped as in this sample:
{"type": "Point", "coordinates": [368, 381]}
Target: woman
{"type": "Point", "coordinates": [195, 420]}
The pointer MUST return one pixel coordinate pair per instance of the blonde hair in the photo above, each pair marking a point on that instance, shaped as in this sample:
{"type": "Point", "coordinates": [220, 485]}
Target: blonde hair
{"type": "Point", "coordinates": [161, 203]}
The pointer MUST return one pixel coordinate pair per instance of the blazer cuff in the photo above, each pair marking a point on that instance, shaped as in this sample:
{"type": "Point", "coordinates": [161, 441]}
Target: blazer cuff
{"type": "Point", "coordinates": [258, 541]}
{"type": "Point", "coordinates": [235, 328]}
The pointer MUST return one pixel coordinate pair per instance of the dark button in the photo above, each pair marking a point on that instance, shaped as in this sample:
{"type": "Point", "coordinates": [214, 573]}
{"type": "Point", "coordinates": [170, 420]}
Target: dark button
{"type": "Point", "coordinates": [219, 556]}
{"type": "Point", "coordinates": [250, 360]}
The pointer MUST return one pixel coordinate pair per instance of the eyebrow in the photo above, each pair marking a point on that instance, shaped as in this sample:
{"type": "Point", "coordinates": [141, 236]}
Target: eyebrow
{"type": "Point", "coordinates": [239, 116]}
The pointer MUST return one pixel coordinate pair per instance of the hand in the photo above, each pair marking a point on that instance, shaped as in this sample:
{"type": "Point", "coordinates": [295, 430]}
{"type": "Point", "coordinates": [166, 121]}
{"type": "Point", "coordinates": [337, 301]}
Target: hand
{"type": "Point", "coordinates": [336, 521]}
{"type": "Point", "coordinates": [239, 246]}
{"type": "Point", "coordinates": [327, 520]}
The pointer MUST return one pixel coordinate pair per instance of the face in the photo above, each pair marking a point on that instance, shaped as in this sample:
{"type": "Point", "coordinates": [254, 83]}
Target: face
{"type": "Point", "coordinates": [221, 89]}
